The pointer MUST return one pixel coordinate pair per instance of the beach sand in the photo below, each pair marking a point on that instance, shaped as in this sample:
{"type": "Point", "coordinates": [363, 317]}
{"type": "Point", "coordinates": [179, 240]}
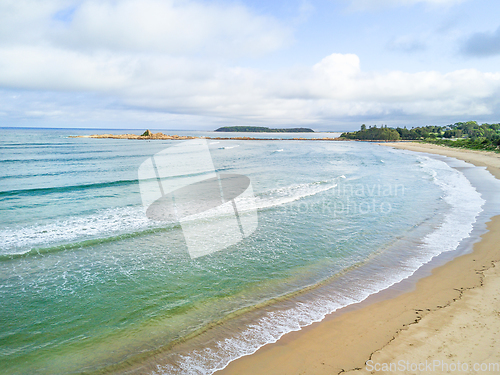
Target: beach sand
{"type": "Point", "coordinates": [487, 159]}
{"type": "Point", "coordinates": [451, 316]}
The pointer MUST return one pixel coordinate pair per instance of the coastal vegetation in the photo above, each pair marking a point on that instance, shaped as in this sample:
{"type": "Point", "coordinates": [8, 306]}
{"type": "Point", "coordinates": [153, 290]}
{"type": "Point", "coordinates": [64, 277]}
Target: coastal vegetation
{"type": "Point", "coordinates": [262, 129]}
{"type": "Point", "coordinates": [468, 134]}
{"type": "Point", "coordinates": [373, 133]}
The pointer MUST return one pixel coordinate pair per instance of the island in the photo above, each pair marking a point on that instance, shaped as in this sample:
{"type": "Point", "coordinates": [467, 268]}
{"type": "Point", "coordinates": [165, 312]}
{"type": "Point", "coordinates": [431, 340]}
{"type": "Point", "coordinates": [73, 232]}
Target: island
{"type": "Point", "coordinates": [148, 135]}
{"type": "Point", "coordinates": [262, 129]}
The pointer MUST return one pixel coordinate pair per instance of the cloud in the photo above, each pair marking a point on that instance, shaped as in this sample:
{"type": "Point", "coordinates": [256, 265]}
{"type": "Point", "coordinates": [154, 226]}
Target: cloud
{"type": "Point", "coordinates": [174, 27]}
{"type": "Point", "coordinates": [167, 62]}
{"type": "Point", "coordinates": [46, 68]}
{"type": "Point", "coordinates": [482, 44]}
{"type": "Point", "coordinates": [169, 26]}
{"type": "Point", "coordinates": [26, 21]}
{"type": "Point", "coordinates": [340, 78]}
{"type": "Point", "coordinates": [171, 87]}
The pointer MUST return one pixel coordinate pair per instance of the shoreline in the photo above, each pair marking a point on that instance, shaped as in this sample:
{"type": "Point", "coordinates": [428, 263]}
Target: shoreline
{"type": "Point", "coordinates": [386, 326]}
{"type": "Point", "coordinates": [161, 136]}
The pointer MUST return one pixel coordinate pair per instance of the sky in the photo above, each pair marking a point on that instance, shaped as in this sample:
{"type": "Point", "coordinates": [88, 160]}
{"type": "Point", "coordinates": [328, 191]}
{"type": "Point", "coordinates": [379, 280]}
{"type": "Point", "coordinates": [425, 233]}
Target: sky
{"type": "Point", "coordinates": [330, 65]}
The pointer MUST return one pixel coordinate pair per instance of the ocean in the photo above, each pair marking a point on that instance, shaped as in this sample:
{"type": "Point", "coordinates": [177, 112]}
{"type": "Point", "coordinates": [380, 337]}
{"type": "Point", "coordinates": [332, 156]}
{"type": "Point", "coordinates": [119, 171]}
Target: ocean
{"type": "Point", "coordinates": [90, 284]}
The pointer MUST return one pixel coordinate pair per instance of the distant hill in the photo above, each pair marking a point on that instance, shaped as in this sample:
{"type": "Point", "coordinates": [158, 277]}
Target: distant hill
{"type": "Point", "coordinates": [261, 129]}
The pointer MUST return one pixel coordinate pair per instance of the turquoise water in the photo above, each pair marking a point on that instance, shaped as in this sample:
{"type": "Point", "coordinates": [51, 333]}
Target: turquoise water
{"type": "Point", "coordinates": [89, 284]}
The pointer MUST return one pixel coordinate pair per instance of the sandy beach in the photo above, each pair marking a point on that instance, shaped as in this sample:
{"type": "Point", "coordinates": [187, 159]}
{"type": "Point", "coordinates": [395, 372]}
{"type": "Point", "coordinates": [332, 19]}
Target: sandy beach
{"type": "Point", "coordinates": [448, 322]}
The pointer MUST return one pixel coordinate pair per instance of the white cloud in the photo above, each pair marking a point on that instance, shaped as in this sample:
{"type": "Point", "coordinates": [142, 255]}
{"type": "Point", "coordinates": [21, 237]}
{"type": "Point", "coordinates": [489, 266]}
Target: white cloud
{"type": "Point", "coordinates": [159, 26]}
{"type": "Point", "coordinates": [157, 60]}
{"type": "Point", "coordinates": [46, 68]}
{"type": "Point", "coordinates": [333, 88]}
{"type": "Point", "coordinates": [174, 27]}
{"type": "Point", "coordinates": [25, 21]}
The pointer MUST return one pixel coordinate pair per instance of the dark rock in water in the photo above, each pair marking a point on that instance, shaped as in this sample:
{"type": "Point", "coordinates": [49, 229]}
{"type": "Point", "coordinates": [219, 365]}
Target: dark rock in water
{"type": "Point", "coordinates": [147, 133]}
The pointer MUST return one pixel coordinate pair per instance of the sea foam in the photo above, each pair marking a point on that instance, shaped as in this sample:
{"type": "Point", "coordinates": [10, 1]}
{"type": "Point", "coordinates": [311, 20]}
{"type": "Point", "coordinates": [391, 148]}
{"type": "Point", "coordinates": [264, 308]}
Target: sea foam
{"type": "Point", "coordinates": [105, 223]}
{"type": "Point", "coordinates": [465, 204]}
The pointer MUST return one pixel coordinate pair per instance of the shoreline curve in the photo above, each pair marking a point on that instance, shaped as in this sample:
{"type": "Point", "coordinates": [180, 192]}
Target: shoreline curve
{"type": "Point", "coordinates": [414, 326]}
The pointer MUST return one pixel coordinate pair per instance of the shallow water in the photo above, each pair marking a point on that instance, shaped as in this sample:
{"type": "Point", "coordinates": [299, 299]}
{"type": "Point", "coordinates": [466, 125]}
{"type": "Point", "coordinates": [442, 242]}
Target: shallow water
{"type": "Point", "coordinates": [89, 283]}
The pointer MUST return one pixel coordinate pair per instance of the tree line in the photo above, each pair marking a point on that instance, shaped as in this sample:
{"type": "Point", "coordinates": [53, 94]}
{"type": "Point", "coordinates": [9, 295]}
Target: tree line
{"type": "Point", "coordinates": [460, 134]}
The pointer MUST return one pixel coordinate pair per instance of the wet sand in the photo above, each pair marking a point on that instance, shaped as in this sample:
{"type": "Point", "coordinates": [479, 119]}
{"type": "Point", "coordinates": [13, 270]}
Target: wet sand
{"type": "Point", "coordinates": [451, 316]}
